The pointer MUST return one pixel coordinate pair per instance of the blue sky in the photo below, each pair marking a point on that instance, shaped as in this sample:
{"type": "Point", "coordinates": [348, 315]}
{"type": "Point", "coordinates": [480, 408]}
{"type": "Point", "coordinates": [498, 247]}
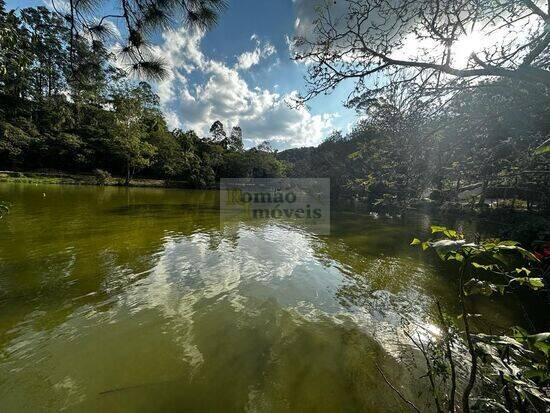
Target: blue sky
{"type": "Point", "coordinates": [240, 72]}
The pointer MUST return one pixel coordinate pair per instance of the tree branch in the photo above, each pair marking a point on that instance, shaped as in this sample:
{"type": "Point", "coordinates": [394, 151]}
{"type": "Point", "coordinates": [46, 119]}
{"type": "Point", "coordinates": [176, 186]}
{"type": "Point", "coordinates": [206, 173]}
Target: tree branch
{"type": "Point", "coordinates": [522, 73]}
{"type": "Point", "coordinates": [535, 9]}
{"type": "Point", "coordinates": [407, 401]}
{"type": "Point", "coordinates": [471, 348]}
{"type": "Point", "coordinates": [449, 355]}
{"type": "Point", "coordinates": [537, 50]}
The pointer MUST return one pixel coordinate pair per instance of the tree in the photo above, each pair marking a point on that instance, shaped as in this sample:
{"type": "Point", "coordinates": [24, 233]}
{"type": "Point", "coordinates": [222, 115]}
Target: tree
{"type": "Point", "coordinates": [391, 161]}
{"type": "Point", "coordinates": [429, 47]}
{"type": "Point", "coordinates": [89, 79]}
{"type": "Point", "coordinates": [47, 33]}
{"type": "Point", "coordinates": [15, 55]}
{"type": "Point", "coordinates": [13, 143]}
{"type": "Point", "coordinates": [169, 160]}
{"type": "Point", "coordinates": [265, 146]}
{"type": "Point", "coordinates": [489, 135]}
{"type": "Point", "coordinates": [235, 140]}
{"type": "Point", "coordinates": [129, 134]}
{"type": "Point", "coordinates": [34, 59]}
{"type": "Point", "coordinates": [217, 132]}
{"type": "Point", "coordinates": [64, 106]}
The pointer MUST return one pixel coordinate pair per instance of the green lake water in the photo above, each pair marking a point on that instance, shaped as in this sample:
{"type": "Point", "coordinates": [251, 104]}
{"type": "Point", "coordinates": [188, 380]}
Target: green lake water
{"type": "Point", "coordinates": [139, 300]}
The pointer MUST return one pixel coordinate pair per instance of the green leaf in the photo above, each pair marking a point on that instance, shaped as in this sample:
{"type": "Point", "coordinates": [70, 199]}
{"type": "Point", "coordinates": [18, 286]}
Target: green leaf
{"type": "Point", "coordinates": [541, 342]}
{"type": "Point", "coordinates": [416, 241]}
{"type": "Point", "coordinates": [513, 243]}
{"type": "Point", "coordinates": [540, 337]}
{"type": "Point", "coordinates": [503, 259]}
{"type": "Point", "coordinates": [524, 270]}
{"type": "Point", "coordinates": [483, 267]}
{"type": "Point", "coordinates": [543, 149]}
{"type": "Point", "coordinates": [531, 282]}
{"type": "Point", "coordinates": [499, 340]}
{"type": "Point", "coordinates": [447, 248]}
{"type": "Point", "coordinates": [526, 254]}
{"type": "Point", "coordinates": [425, 245]}
{"type": "Point", "coordinates": [448, 244]}
{"type": "Point", "coordinates": [536, 283]}
{"type": "Point", "coordinates": [451, 256]}
{"type": "Point", "coordinates": [539, 374]}
{"type": "Point", "coordinates": [478, 287]}
{"type": "Point", "coordinates": [437, 228]}
{"type": "Point", "coordinates": [451, 233]}
{"type": "Point", "coordinates": [501, 288]}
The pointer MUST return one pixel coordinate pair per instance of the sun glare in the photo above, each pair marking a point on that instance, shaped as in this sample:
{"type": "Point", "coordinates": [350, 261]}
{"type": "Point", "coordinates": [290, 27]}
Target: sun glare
{"type": "Point", "coordinates": [462, 49]}
{"type": "Point", "coordinates": [465, 46]}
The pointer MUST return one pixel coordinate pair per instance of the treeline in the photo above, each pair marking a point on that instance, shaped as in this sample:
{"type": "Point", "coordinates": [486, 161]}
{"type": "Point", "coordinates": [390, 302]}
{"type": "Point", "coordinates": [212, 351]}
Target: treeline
{"type": "Point", "coordinates": [65, 106]}
{"type": "Point", "coordinates": [485, 145]}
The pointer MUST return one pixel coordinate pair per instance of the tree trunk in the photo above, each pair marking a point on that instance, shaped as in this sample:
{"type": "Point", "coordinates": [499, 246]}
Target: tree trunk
{"type": "Point", "coordinates": [127, 183]}
{"type": "Point", "coordinates": [483, 192]}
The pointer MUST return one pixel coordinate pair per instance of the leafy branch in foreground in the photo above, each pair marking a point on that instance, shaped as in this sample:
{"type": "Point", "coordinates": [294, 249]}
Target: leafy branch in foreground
{"type": "Point", "coordinates": [512, 369]}
{"type": "Point", "coordinates": [140, 19]}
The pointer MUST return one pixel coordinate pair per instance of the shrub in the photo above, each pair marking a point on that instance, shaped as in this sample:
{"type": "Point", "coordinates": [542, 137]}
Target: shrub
{"type": "Point", "coordinates": [101, 176]}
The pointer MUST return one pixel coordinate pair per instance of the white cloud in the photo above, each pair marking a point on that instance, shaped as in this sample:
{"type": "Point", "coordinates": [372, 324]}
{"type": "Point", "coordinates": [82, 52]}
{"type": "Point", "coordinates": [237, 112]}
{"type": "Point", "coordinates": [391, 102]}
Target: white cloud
{"type": "Point", "coordinates": [307, 12]}
{"type": "Point", "coordinates": [248, 59]}
{"type": "Point", "coordinates": [62, 6]}
{"type": "Point", "coordinates": [200, 90]}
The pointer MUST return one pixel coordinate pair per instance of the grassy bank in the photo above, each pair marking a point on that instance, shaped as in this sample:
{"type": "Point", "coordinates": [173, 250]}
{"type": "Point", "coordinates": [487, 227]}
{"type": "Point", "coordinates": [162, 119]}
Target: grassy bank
{"type": "Point", "coordinates": [60, 178]}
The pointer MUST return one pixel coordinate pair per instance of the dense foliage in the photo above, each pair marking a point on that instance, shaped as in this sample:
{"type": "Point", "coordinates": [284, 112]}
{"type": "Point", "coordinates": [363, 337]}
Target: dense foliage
{"type": "Point", "coordinates": [485, 145]}
{"type": "Point", "coordinates": [460, 95]}
{"type": "Point", "coordinates": [509, 372]}
{"type": "Point", "coordinates": [92, 117]}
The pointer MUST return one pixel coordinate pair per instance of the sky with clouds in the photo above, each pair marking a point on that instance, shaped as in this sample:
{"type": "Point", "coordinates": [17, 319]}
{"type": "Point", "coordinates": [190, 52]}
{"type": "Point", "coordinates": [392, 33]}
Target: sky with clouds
{"type": "Point", "coordinates": [240, 72]}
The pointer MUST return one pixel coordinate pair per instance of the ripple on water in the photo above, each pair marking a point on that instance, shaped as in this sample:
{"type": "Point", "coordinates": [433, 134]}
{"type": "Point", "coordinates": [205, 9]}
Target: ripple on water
{"type": "Point", "coordinates": [142, 299]}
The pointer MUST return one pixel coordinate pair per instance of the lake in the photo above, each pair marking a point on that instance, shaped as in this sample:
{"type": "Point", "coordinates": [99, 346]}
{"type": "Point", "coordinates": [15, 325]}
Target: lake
{"type": "Point", "coordinates": [139, 300]}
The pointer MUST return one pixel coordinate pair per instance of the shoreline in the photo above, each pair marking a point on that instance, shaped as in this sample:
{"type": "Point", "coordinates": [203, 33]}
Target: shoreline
{"type": "Point", "coordinates": [63, 178]}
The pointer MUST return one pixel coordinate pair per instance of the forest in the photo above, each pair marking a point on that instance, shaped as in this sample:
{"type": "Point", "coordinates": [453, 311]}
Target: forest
{"type": "Point", "coordinates": [65, 106]}
{"type": "Point", "coordinates": [486, 144]}
{"type": "Point", "coordinates": [91, 116]}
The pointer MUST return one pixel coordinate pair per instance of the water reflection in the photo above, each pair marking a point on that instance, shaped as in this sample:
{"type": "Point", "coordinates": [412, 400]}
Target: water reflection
{"type": "Point", "coordinates": [138, 300]}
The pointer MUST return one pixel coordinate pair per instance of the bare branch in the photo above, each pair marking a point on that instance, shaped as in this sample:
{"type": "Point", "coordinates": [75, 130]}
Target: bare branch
{"type": "Point", "coordinates": [449, 356]}
{"type": "Point", "coordinates": [401, 396]}
{"type": "Point", "coordinates": [535, 9]}
{"type": "Point", "coordinates": [367, 43]}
